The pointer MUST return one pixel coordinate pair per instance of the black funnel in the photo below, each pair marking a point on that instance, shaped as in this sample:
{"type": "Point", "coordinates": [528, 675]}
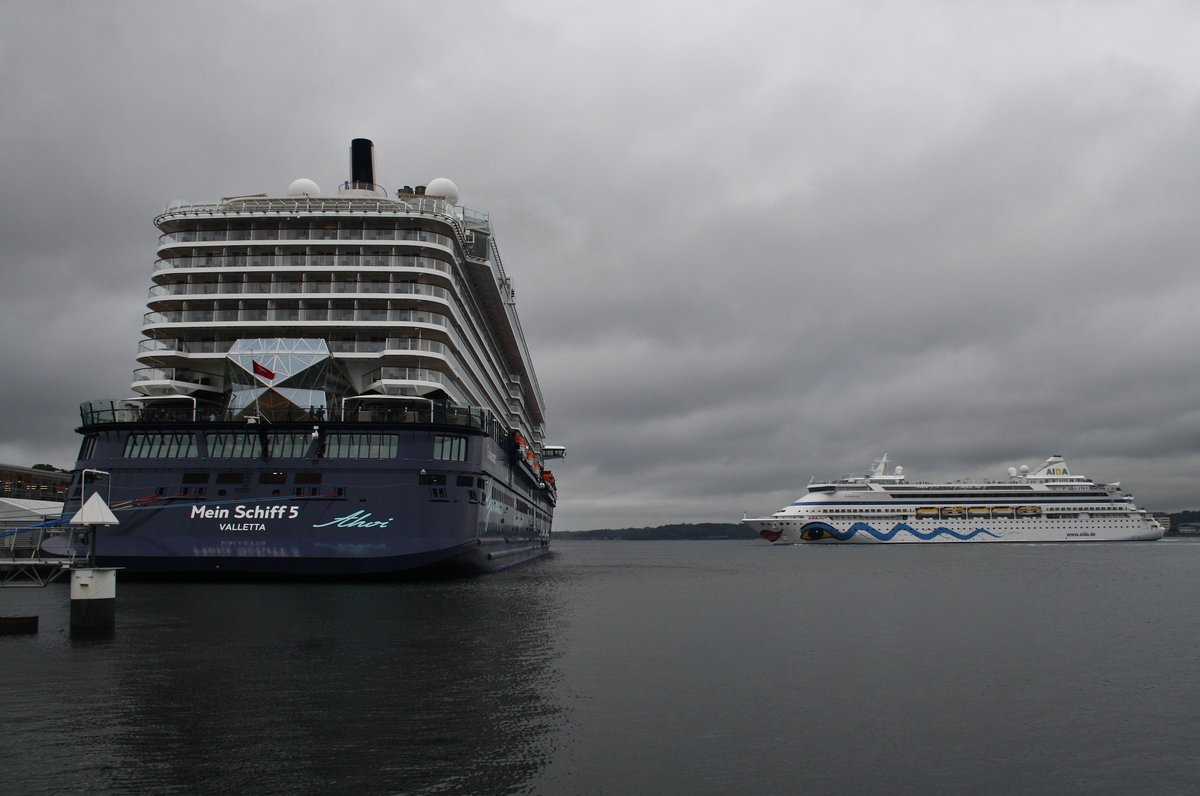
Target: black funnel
{"type": "Point", "coordinates": [362, 162]}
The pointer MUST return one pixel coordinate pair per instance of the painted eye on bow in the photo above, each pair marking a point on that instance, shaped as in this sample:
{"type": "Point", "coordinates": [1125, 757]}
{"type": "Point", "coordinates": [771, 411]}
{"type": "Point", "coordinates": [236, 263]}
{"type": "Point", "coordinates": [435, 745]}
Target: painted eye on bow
{"type": "Point", "coordinates": [814, 533]}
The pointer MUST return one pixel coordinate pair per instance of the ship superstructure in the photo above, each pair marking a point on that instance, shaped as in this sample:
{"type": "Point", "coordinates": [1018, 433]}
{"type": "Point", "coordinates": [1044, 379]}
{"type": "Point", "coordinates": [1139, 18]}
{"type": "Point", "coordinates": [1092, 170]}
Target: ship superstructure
{"type": "Point", "coordinates": [1046, 504]}
{"type": "Point", "coordinates": [328, 384]}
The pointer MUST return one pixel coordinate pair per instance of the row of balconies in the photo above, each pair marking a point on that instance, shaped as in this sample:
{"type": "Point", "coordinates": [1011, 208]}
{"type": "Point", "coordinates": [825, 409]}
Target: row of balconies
{"type": "Point", "coordinates": [324, 312]}
{"type": "Point", "coordinates": [309, 311]}
{"type": "Point", "coordinates": [166, 381]}
{"type": "Point", "coordinates": [387, 379]}
{"type": "Point", "coordinates": [336, 345]}
{"type": "Point", "coordinates": [306, 313]}
{"type": "Point", "coordinates": [312, 288]}
{"type": "Point", "coordinates": [398, 348]}
{"type": "Point", "coordinates": [376, 379]}
{"type": "Point", "coordinates": [394, 381]}
{"type": "Point", "coordinates": [190, 375]}
{"type": "Point", "coordinates": [301, 234]}
{"type": "Point", "coordinates": [302, 260]}
{"type": "Point", "coordinates": [293, 313]}
{"type": "Point", "coordinates": [161, 351]}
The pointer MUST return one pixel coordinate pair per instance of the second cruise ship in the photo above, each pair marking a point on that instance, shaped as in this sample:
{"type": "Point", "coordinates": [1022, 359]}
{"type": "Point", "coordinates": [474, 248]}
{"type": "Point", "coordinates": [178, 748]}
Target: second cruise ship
{"type": "Point", "coordinates": [330, 384]}
{"type": "Point", "coordinates": [1046, 504]}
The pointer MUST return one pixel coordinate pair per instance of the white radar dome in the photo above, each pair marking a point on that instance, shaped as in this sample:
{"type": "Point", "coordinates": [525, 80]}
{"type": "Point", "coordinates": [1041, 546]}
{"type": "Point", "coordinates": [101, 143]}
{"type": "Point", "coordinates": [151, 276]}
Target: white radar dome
{"type": "Point", "coordinates": [1012, 472]}
{"type": "Point", "coordinates": [899, 470]}
{"type": "Point", "coordinates": [443, 188]}
{"type": "Point", "coordinates": [303, 187]}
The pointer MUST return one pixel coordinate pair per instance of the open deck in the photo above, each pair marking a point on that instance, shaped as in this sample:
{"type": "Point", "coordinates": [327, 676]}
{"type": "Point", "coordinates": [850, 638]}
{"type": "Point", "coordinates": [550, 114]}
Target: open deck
{"type": "Point", "coordinates": [414, 411]}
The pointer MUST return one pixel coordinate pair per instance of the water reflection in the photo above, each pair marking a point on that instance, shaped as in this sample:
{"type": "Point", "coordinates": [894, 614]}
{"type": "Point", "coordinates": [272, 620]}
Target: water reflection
{"type": "Point", "coordinates": [269, 688]}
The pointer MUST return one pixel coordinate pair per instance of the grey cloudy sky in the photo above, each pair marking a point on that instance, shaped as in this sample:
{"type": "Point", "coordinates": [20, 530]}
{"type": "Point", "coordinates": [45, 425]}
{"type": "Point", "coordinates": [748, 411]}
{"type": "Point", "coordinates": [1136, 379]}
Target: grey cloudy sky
{"type": "Point", "coordinates": [752, 242]}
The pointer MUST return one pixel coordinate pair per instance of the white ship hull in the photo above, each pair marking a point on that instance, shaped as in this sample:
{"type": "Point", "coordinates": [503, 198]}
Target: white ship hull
{"type": "Point", "coordinates": [928, 531]}
{"type": "Point", "coordinates": [1046, 505]}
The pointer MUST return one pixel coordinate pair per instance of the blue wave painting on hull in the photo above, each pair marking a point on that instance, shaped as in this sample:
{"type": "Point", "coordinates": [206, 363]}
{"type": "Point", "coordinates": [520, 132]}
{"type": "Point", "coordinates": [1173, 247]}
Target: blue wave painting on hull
{"type": "Point", "coordinates": [815, 531]}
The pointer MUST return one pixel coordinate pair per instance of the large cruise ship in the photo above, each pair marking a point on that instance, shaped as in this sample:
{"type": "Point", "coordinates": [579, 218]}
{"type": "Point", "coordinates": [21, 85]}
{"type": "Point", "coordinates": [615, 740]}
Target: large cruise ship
{"type": "Point", "coordinates": [1046, 504]}
{"type": "Point", "coordinates": [329, 384]}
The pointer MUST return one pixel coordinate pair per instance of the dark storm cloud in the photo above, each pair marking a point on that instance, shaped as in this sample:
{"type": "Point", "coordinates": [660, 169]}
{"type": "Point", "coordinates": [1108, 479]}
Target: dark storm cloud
{"type": "Point", "coordinates": [751, 244]}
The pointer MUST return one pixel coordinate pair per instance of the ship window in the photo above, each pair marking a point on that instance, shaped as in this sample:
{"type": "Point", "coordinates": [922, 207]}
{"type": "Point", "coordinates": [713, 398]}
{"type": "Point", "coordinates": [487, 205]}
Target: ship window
{"type": "Point", "coordinates": [274, 477]}
{"type": "Point", "coordinates": [195, 478]}
{"type": "Point", "coordinates": [230, 478]}
{"type": "Point", "coordinates": [289, 446]}
{"type": "Point", "coordinates": [88, 449]}
{"type": "Point", "coordinates": [159, 446]}
{"type": "Point", "coordinates": [233, 445]}
{"type": "Point", "coordinates": [361, 446]}
{"type": "Point", "coordinates": [433, 479]}
{"type": "Point", "coordinates": [450, 447]}
{"type": "Point", "coordinates": [308, 478]}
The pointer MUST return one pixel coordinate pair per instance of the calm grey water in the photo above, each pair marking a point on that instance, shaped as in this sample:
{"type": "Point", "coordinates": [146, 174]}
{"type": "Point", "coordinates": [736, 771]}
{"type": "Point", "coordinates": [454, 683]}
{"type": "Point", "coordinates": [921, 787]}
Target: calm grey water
{"type": "Point", "coordinates": [633, 668]}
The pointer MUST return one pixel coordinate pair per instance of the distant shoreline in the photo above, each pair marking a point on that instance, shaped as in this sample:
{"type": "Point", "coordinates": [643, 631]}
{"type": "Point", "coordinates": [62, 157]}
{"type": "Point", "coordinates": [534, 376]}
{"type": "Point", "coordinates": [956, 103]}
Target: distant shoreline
{"type": "Point", "coordinates": [700, 531]}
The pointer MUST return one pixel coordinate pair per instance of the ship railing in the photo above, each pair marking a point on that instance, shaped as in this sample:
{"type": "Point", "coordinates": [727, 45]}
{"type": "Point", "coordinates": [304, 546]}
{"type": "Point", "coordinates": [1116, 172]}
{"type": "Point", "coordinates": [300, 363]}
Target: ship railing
{"type": "Point", "coordinates": [22, 560]}
{"type": "Point", "coordinates": [290, 260]}
{"type": "Point", "coordinates": [356, 205]}
{"type": "Point", "coordinates": [185, 375]}
{"type": "Point", "coordinates": [331, 314]}
{"type": "Point", "coordinates": [364, 409]}
{"type": "Point", "coordinates": [391, 373]}
{"type": "Point", "coordinates": [299, 288]}
{"type": "Point", "coordinates": [390, 344]}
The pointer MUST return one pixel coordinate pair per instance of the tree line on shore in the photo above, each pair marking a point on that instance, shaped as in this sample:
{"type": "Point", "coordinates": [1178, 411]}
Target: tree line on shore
{"type": "Point", "coordinates": [703, 530]}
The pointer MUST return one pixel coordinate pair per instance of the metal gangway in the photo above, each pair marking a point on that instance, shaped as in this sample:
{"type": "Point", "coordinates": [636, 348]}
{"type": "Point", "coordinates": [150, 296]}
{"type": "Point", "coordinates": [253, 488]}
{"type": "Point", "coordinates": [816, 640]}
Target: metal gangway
{"type": "Point", "coordinates": [23, 557]}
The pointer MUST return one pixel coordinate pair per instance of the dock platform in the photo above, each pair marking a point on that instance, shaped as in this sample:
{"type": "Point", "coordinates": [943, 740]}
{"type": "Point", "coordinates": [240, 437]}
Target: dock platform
{"type": "Point", "coordinates": [23, 561]}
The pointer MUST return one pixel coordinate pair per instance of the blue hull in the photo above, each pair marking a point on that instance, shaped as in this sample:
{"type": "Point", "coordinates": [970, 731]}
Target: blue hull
{"type": "Point", "coordinates": [310, 516]}
{"type": "Point", "coordinates": [466, 560]}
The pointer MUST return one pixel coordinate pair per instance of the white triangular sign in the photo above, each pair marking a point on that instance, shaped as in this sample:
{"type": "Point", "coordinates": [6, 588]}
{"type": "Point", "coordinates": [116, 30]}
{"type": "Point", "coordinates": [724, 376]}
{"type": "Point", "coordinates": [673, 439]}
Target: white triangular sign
{"type": "Point", "coordinates": [95, 512]}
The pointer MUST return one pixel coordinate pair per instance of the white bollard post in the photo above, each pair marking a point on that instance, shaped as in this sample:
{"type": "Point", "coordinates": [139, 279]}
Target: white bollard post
{"type": "Point", "coordinates": [93, 601]}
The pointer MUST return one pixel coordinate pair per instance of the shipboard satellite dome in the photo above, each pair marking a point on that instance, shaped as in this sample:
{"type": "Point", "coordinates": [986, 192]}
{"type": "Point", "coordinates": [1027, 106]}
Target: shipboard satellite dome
{"type": "Point", "coordinates": [443, 188]}
{"type": "Point", "coordinates": [303, 187]}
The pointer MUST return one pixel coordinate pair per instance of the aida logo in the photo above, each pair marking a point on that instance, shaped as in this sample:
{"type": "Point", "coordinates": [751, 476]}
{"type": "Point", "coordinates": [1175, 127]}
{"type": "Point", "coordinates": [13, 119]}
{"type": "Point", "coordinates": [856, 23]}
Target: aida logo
{"type": "Point", "coordinates": [1058, 471]}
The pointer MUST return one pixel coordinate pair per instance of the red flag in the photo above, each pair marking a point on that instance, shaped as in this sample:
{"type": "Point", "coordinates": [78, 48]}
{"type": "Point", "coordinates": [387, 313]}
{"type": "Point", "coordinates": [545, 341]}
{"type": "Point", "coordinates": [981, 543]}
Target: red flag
{"type": "Point", "coordinates": [262, 370]}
